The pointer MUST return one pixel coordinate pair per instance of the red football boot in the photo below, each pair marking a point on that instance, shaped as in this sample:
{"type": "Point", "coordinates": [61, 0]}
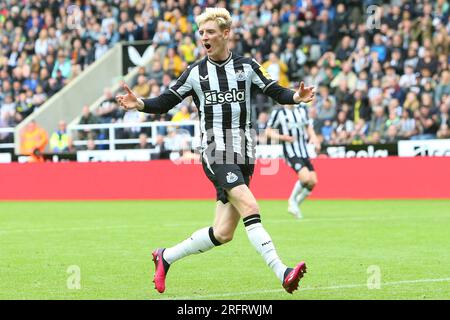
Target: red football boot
{"type": "Point", "coordinates": [293, 276]}
{"type": "Point", "coordinates": [161, 269]}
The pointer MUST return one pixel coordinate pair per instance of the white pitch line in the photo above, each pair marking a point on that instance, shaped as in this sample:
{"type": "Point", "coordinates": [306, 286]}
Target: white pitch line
{"type": "Point", "coordinates": [7, 231]}
{"type": "Point", "coordinates": [347, 286]}
{"type": "Point", "coordinates": [309, 220]}
{"type": "Point", "coordinates": [177, 225]}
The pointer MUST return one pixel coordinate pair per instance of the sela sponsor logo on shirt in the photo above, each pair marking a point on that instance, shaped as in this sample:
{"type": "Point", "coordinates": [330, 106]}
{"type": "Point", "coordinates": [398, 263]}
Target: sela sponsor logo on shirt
{"type": "Point", "coordinates": [231, 177]}
{"type": "Point", "coordinates": [213, 97]}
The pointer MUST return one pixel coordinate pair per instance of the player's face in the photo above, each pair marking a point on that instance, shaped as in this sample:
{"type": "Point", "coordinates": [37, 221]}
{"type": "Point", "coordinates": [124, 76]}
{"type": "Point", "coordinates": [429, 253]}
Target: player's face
{"type": "Point", "coordinates": [214, 40]}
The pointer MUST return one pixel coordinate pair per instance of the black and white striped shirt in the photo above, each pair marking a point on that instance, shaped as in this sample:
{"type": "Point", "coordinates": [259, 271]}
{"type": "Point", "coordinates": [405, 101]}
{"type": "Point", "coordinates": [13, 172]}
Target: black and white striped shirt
{"type": "Point", "coordinates": [222, 92]}
{"type": "Point", "coordinates": [292, 122]}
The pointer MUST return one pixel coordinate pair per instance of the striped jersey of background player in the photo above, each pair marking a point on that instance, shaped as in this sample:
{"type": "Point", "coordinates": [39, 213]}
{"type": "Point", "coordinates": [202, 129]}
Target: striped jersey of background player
{"type": "Point", "coordinates": [292, 126]}
{"type": "Point", "coordinates": [221, 85]}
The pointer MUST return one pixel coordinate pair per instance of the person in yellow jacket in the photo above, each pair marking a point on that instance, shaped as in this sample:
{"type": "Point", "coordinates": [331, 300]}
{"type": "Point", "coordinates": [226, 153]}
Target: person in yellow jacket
{"type": "Point", "coordinates": [59, 140]}
{"type": "Point", "coordinates": [188, 50]}
{"type": "Point", "coordinates": [173, 63]}
{"type": "Point", "coordinates": [277, 69]}
{"type": "Point", "coordinates": [33, 142]}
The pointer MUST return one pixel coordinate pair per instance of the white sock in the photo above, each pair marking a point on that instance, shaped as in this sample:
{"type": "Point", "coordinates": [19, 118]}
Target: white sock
{"type": "Point", "coordinates": [295, 191]}
{"type": "Point", "coordinates": [263, 244]}
{"type": "Point", "coordinates": [305, 192]}
{"type": "Point", "coordinates": [200, 241]}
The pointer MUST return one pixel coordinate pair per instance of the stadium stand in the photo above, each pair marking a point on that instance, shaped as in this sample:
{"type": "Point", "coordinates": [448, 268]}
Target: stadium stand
{"type": "Point", "coordinates": [382, 75]}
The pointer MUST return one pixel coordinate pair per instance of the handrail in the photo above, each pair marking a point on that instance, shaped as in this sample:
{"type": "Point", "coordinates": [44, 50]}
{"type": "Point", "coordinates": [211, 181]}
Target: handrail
{"type": "Point", "coordinates": [112, 141]}
{"type": "Point", "coordinates": [7, 145]}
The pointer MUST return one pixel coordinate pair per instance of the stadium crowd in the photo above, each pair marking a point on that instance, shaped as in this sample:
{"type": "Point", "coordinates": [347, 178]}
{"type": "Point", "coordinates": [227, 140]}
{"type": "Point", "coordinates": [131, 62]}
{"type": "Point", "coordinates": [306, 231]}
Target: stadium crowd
{"type": "Point", "coordinates": [381, 75]}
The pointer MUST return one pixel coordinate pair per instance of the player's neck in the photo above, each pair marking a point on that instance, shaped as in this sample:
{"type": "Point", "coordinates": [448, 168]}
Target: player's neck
{"type": "Point", "coordinates": [223, 56]}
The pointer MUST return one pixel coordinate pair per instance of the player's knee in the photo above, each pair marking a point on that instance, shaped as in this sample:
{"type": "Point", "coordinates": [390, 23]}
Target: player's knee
{"type": "Point", "coordinates": [223, 233]}
{"type": "Point", "coordinates": [223, 237]}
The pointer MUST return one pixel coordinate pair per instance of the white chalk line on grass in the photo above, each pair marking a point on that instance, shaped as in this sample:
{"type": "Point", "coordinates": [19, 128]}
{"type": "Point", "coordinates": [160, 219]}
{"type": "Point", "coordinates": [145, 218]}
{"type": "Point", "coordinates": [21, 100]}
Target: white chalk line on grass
{"type": "Point", "coordinates": [177, 225]}
{"type": "Point", "coordinates": [346, 286]}
{"type": "Point", "coordinates": [7, 231]}
{"type": "Point", "coordinates": [309, 220]}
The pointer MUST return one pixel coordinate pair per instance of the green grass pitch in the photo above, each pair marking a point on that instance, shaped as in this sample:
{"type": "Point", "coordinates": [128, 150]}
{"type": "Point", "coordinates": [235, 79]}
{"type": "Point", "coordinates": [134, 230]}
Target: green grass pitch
{"type": "Point", "coordinates": [404, 246]}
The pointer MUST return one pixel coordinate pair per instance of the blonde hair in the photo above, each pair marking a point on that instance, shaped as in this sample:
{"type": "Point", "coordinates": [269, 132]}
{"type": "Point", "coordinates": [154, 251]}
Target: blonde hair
{"type": "Point", "coordinates": [219, 15]}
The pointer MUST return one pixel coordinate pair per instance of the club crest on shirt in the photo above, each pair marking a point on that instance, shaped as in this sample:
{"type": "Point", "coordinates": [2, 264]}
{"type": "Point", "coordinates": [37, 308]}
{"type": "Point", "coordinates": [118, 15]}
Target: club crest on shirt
{"type": "Point", "coordinates": [240, 75]}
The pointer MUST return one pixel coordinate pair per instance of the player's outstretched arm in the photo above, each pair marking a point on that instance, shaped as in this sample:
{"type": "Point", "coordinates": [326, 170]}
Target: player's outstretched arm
{"type": "Point", "coordinates": [304, 94]}
{"type": "Point", "coordinates": [161, 104]}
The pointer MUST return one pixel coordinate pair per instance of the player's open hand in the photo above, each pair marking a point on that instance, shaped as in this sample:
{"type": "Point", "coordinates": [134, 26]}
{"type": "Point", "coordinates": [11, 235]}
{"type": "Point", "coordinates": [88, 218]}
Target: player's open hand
{"type": "Point", "coordinates": [304, 94]}
{"type": "Point", "coordinates": [129, 101]}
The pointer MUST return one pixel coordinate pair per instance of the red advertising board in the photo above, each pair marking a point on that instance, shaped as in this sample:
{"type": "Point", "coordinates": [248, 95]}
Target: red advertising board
{"type": "Point", "coordinates": [356, 178]}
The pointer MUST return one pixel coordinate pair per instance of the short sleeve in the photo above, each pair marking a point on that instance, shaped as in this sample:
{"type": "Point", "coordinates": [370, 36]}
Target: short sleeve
{"type": "Point", "coordinates": [261, 77]}
{"type": "Point", "coordinates": [183, 86]}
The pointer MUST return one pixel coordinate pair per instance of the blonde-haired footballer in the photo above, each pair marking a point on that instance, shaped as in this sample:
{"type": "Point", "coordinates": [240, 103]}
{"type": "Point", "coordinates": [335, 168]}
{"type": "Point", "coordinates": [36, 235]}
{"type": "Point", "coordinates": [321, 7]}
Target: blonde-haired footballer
{"type": "Point", "coordinates": [221, 85]}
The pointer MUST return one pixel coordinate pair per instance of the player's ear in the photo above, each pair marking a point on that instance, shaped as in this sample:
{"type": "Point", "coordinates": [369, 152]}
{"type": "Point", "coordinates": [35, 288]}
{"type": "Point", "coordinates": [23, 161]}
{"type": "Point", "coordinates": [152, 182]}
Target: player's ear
{"type": "Point", "coordinates": [226, 33]}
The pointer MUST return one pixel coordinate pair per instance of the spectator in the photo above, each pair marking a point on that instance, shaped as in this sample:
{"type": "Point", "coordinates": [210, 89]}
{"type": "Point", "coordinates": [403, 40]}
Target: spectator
{"type": "Point", "coordinates": [277, 69]}
{"type": "Point", "coordinates": [63, 65]}
{"type": "Point", "coordinates": [101, 47]}
{"type": "Point", "coordinates": [91, 145]}
{"type": "Point", "coordinates": [326, 131]}
{"type": "Point", "coordinates": [358, 135]}
{"type": "Point", "coordinates": [429, 62]}
{"type": "Point", "coordinates": [108, 110]}
{"type": "Point", "coordinates": [261, 125]}
{"type": "Point", "coordinates": [182, 114]}
{"type": "Point", "coordinates": [359, 108]}
{"type": "Point", "coordinates": [379, 48]}
{"type": "Point", "coordinates": [295, 58]}
{"type": "Point", "coordinates": [87, 117]}
{"type": "Point", "coordinates": [327, 112]}
{"type": "Point", "coordinates": [443, 87]}
{"type": "Point", "coordinates": [348, 75]}
{"type": "Point", "coordinates": [409, 78]}
{"type": "Point", "coordinates": [344, 50]}
{"type": "Point", "coordinates": [42, 43]}
{"type": "Point", "coordinates": [33, 142]}
{"type": "Point", "coordinates": [444, 120]}
{"type": "Point", "coordinates": [173, 64]}
{"type": "Point", "coordinates": [156, 72]}
{"type": "Point", "coordinates": [427, 124]}
{"type": "Point", "coordinates": [143, 143]}
{"type": "Point", "coordinates": [188, 49]}
{"type": "Point", "coordinates": [407, 125]}
{"type": "Point", "coordinates": [378, 121]}
{"type": "Point", "coordinates": [342, 127]}
{"type": "Point", "coordinates": [59, 140]}
{"type": "Point", "coordinates": [142, 87]}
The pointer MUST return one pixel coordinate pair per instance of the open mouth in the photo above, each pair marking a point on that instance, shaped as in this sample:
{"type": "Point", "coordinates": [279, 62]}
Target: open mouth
{"type": "Point", "coordinates": [207, 46]}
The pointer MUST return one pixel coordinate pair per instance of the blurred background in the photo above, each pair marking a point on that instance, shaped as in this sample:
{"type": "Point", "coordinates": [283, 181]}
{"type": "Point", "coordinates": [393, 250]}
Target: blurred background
{"type": "Point", "coordinates": [380, 69]}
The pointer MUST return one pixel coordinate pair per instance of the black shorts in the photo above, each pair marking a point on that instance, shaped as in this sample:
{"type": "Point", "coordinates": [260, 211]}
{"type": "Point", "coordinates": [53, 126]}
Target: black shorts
{"type": "Point", "coordinates": [297, 163]}
{"type": "Point", "coordinates": [227, 176]}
